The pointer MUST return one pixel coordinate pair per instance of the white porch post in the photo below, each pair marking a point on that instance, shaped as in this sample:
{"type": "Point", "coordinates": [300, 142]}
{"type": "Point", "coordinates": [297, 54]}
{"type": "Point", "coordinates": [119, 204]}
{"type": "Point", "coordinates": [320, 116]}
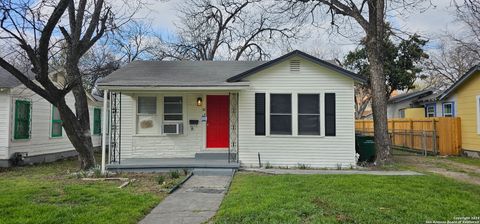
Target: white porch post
{"type": "Point", "coordinates": [104, 128]}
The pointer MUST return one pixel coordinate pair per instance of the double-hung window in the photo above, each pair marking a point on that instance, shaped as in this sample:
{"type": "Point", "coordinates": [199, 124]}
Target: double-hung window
{"type": "Point", "coordinates": [172, 108]}
{"type": "Point", "coordinates": [147, 115]}
{"type": "Point", "coordinates": [448, 109]}
{"type": "Point", "coordinates": [97, 121]}
{"type": "Point", "coordinates": [430, 110]}
{"type": "Point", "coordinates": [308, 114]}
{"type": "Point", "coordinates": [56, 123]}
{"type": "Point", "coordinates": [22, 119]}
{"type": "Point", "coordinates": [280, 114]}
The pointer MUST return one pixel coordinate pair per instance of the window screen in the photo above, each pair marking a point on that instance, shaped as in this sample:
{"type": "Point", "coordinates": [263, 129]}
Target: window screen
{"type": "Point", "coordinates": [330, 114]}
{"type": "Point", "coordinates": [22, 119]}
{"type": "Point", "coordinates": [147, 105]}
{"type": "Point", "coordinates": [430, 110]}
{"type": "Point", "coordinates": [281, 114]}
{"type": "Point", "coordinates": [448, 109]}
{"type": "Point", "coordinates": [97, 121]}
{"type": "Point", "coordinates": [308, 114]}
{"type": "Point", "coordinates": [259, 113]}
{"type": "Point", "coordinates": [56, 123]}
{"type": "Point", "coordinates": [172, 108]}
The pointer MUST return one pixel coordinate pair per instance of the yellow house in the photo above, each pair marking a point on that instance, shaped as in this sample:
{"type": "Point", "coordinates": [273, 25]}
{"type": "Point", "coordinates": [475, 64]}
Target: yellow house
{"type": "Point", "coordinates": [466, 91]}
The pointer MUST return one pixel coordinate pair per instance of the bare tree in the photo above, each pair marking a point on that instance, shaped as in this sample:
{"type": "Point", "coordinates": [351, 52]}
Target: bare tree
{"type": "Point", "coordinates": [228, 29]}
{"type": "Point", "coordinates": [458, 52]}
{"type": "Point", "coordinates": [369, 16]}
{"type": "Point", "coordinates": [36, 27]}
{"type": "Point", "coordinates": [448, 64]}
{"type": "Point", "coordinates": [133, 41]}
{"type": "Point", "coordinates": [468, 13]}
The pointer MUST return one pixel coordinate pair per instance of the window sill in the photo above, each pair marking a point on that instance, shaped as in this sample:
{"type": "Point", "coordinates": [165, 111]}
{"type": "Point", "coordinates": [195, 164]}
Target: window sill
{"type": "Point", "coordinates": [56, 137]}
{"type": "Point", "coordinates": [21, 140]}
{"type": "Point", "coordinates": [156, 135]}
{"type": "Point", "coordinates": [294, 136]}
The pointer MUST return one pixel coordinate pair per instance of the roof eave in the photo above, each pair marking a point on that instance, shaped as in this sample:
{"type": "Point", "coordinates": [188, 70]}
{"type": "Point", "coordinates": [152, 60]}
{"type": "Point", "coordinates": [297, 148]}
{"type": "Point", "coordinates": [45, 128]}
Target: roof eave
{"type": "Point", "coordinates": [172, 88]}
{"type": "Point", "coordinates": [306, 56]}
{"type": "Point", "coordinates": [452, 88]}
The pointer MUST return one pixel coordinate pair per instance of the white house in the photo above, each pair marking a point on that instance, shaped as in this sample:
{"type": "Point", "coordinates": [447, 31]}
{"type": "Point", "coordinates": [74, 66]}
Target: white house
{"type": "Point", "coordinates": [296, 109]}
{"type": "Point", "coordinates": [31, 127]}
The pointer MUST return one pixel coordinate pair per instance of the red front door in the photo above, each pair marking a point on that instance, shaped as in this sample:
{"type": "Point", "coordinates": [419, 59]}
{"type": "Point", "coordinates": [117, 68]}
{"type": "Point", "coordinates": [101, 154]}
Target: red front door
{"type": "Point", "coordinates": [217, 121]}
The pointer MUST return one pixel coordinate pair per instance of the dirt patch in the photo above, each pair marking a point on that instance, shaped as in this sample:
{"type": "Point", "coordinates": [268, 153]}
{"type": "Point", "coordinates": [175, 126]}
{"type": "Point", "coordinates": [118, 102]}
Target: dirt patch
{"type": "Point", "coordinates": [442, 166]}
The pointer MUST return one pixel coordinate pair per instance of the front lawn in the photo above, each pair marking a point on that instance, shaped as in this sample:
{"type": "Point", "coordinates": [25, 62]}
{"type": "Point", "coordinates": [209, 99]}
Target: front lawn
{"type": "Point", "coordinates": [256, 198]}
{"type": "Point", "coordinates": [48, 194]}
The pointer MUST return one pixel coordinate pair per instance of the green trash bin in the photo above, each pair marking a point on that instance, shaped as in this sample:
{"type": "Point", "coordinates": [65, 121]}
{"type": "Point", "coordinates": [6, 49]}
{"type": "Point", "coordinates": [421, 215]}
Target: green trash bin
{"type": "Point", "coordinates": [365, 147]}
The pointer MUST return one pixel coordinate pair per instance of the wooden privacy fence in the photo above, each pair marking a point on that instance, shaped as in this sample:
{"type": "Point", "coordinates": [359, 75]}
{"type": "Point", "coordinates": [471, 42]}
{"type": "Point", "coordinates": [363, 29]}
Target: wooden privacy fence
{"type": "Point", "coordinates": [439, 135]}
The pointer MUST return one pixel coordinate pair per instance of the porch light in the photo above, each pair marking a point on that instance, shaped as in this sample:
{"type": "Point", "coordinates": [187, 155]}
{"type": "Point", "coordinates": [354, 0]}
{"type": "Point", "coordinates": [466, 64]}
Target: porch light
{"type": "Point", "coordinates": [199, 101]}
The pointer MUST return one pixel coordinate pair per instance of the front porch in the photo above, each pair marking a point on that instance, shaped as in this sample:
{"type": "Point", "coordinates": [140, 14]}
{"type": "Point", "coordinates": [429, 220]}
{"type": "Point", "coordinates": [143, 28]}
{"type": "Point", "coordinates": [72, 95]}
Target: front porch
{"type": "Point", "coordinates": [205, 135]}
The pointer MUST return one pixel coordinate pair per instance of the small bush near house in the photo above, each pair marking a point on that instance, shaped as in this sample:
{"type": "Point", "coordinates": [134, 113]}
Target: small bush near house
{"type": "Point", "coordinates": [268, 166]}
{"type": "Point", "coordinates": [174, 174]}
{"type": "Point", "coordinates": [160, 179]}
{"type": "Point", "coordinates": [303, 166]}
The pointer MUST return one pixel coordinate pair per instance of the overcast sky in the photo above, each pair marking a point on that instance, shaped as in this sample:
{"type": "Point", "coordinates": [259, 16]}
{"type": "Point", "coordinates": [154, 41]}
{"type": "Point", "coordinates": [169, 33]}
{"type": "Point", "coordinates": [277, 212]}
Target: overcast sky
{"type": "Point", "coordinates": [432, 23]}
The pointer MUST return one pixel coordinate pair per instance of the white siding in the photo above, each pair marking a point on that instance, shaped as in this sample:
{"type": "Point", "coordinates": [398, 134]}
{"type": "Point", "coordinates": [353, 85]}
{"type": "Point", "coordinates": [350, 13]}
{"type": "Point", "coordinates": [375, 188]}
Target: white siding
{"type": "Point", "coordinates": [292, 150]}
{"type": "Point", "coordinates": [157, 145]}
{"type": "Point", "coordinates": [4, 121]}
{"type": "Point", "coordinates": [40, 141]}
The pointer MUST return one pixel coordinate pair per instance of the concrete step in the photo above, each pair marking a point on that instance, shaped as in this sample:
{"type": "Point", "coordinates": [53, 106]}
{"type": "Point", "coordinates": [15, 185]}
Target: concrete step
{"type": "Point", "coordinates": [214, 155]}
{"type": "Point", "coordinates": [213, 172]}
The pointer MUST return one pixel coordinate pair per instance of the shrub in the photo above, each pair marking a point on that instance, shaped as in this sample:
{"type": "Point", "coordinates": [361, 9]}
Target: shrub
{"type": "Point", "coordinates": [174, 174]}
{"type": "Point", "coordinates": [160, 179]}
{"type": "Point", "coordinates": [268, 166]}
{"type": "Point", "coordinates": [303, 166]}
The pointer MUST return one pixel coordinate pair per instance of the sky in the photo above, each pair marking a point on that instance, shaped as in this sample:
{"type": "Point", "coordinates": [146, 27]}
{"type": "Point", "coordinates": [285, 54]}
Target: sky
{"type": "Point", "coordinates": [433, 22]}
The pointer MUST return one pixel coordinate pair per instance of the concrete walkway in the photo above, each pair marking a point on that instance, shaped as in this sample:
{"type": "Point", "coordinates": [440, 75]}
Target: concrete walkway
{"type": "Point", "coordinates": [326, 172]}
{"type": "Point", "coordinates": [195, 202]}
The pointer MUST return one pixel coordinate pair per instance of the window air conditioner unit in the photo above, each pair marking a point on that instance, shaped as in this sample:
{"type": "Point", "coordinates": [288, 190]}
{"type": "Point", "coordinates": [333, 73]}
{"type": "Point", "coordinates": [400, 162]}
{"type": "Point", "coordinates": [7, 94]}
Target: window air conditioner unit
{"type": "Point", "coordinates": [173, 128]}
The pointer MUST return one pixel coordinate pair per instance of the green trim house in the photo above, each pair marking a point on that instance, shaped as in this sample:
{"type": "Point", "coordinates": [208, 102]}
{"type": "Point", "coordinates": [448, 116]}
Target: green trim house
{"type": "Point", "coordinates": [31, 128]}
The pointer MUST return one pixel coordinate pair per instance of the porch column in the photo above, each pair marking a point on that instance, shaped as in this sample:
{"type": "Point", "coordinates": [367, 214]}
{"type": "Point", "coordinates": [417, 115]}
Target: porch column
{"type": "Point", "coordinates": [104, 128]}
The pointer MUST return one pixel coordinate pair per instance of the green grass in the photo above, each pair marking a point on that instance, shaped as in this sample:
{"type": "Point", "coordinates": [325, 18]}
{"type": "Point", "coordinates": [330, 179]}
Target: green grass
{"type": "Point", "coordinates": [46, 194]}
{"type": "Point", "coordinates": [255, 198]}
{"type": "Point", "coordinates": [466, 160]}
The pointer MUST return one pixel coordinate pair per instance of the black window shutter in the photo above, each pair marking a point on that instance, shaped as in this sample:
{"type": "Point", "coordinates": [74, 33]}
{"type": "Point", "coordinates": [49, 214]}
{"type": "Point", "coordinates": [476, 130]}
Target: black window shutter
{"type": "Point", "coordinates": [330, 120]}
{"type": "Point", "coordinates": [259, 113]}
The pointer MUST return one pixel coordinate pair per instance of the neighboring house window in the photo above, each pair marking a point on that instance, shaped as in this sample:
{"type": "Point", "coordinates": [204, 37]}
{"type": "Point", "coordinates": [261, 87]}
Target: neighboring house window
{"type": "Point", "coordinates": [280, 114]}
{"type": "Point", "coordinates": [146, 115]}
{"type": "Point", "coordinates": [172, 108]}
{"type": "Point", "coordinates": [448, 109]}
{"type": "Point", "coordinates": [22, 119]}
{"type": "Point", "coordinates": [97, 121]}
{"type": "Point", "coordinates": [330, 115]}
{"type": "Point", "coordinates": [259, 113]}
{"type": "Point", "coordinates": [401, 113]}
{"type": "Point", "coordinates": [478, 115]}
{"type": "Point", "coordinates": [56, 123]}
{"type": "Point", "coordinates": [308, 114]}
{"type": "Point", "coordinates": [430, 110]}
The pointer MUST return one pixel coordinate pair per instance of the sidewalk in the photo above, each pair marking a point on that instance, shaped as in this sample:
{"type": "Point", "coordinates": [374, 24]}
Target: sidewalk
{"type": "Point", "coordinates": [195, 202]}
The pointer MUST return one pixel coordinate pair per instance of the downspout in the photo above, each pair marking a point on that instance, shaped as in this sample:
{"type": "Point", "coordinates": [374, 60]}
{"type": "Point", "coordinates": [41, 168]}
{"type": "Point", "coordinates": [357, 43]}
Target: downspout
{"type": "Point", "coordinates": [104, 129]}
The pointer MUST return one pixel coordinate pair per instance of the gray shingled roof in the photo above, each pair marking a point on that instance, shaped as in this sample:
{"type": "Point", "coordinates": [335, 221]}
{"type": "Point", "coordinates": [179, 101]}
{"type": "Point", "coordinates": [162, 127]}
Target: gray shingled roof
{"type": "Point", "coordinates": [410, 96]}
{"type": "Point", "coordinates": [7, 80]}
{"type": "Point", "coordinates": [178, 73]}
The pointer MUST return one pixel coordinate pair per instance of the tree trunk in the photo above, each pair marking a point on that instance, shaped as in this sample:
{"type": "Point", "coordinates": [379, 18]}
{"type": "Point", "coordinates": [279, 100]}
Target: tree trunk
{"type": "Point", "coordinates": [77, 125]}
{"type": "Point", "coordinates": [375, 36]}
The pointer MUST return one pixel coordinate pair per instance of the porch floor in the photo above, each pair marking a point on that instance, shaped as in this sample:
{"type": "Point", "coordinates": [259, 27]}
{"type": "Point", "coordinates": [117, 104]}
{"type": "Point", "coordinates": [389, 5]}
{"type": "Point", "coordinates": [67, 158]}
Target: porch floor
{"type": "Point", "coordinates": [145, 164]}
